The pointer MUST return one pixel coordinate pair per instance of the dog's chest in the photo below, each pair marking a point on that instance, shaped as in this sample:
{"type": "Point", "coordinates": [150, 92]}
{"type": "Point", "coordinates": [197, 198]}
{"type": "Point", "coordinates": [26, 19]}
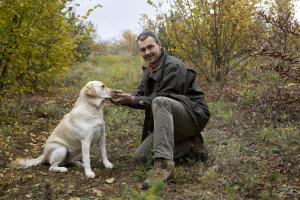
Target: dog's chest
{"type": "Point", "coordinates": [97, 126]}
{"type": "Point", "coordinates": [89, 126]}
{"type": "Point", "coordinates": [97, 131]}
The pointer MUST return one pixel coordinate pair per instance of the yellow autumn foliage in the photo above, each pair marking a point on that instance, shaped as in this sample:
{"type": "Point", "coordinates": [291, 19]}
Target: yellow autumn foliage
{"type": "Point", "coordinates": [36, 44]}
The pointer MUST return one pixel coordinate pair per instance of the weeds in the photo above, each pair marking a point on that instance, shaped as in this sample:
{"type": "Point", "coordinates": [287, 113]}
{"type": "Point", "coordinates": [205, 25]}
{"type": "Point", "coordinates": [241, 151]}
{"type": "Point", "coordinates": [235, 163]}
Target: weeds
{"type": "Point", "coordinates": [223, 113]}
{"type": "Point", "coordinates": [250, 157]}
{"type": "Point", "coordinates": [209, 177]}
{"type": "Point", "coordinates": [153, 193]}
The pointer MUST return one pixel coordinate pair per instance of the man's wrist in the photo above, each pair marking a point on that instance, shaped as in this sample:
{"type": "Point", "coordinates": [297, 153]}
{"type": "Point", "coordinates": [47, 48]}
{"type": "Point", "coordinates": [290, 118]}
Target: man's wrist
{"type": "Point", "coordinates": [139, 101]}
{"type": "Point", "coordinates": [133, 100]}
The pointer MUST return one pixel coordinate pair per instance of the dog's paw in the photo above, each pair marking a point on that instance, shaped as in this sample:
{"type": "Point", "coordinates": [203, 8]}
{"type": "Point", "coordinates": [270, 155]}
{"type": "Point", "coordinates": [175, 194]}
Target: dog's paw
{"type": "Point", "coordinates": [58, 169]}
{"type": "Point", "coordinates": [89, 174]}
{"type": "Point", "coordinates": [108, 165]}
{"type": "Point", "coordinates": [63, 169]}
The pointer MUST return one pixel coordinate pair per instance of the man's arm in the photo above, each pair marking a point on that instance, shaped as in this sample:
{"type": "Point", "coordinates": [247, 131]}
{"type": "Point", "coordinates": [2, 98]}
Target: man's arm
{"type": "Point", "coordinates": [173, 82]}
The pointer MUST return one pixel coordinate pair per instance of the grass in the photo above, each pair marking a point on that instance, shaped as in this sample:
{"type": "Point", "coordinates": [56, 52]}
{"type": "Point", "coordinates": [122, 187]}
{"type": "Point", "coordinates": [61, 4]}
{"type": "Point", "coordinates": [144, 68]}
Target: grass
{"type": "Point", "coordinates": [248, 159]}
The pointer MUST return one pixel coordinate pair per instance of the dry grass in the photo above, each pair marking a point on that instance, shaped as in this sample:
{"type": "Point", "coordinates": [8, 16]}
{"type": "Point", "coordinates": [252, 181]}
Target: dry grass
{"type": "Point", "coordinates": [248, 160]}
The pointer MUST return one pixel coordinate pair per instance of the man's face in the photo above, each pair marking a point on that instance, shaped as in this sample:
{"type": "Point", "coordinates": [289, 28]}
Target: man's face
{"type": "Point", "coordinates": [150, 49]}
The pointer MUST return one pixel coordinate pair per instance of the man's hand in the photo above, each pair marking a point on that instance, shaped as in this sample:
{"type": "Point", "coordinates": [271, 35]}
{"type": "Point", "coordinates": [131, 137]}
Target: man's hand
{"type": "Point", "coordinates": [120, 98]}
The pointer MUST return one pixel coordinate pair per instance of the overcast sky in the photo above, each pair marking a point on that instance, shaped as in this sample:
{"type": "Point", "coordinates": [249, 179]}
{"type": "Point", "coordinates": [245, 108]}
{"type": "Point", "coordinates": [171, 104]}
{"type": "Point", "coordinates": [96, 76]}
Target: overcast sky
{"type": "Point", "coordinates": [117, 16]}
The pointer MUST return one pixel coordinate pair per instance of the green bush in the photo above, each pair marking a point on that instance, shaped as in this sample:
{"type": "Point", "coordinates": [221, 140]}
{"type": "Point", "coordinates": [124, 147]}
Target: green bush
{"type": "Point", "coordinates": [38, 44]}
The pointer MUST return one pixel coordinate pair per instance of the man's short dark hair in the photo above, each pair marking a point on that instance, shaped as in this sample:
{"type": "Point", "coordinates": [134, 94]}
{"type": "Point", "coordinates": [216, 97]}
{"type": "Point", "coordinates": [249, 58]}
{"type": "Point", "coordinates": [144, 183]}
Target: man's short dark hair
{"type": "Point", "coordinates": [145, 34]}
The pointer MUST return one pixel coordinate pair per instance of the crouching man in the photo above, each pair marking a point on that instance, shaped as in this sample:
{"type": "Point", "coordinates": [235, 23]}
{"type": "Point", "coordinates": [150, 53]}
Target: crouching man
{"type": "Point", "coordinates": [175, 110]}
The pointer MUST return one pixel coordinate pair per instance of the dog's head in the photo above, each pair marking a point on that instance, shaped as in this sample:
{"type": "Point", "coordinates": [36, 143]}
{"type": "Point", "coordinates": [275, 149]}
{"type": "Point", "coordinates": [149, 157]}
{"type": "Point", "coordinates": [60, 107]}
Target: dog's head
{"type": "Point", "coordinates": [96, 89]}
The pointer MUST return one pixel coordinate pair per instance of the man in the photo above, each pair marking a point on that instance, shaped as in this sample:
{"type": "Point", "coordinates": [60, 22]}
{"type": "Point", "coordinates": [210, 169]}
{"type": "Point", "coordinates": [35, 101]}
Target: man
{"type": "Point", "coordinates": [175, 109]}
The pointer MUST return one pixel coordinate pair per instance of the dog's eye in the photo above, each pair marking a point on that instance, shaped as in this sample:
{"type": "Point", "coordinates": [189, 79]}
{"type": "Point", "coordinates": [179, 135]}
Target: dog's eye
{"type": "Point", "coordinates": [102, 86]}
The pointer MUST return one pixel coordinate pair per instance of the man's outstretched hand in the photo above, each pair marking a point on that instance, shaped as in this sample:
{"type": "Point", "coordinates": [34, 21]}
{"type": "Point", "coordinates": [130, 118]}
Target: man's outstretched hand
{"type": "Point", "coordinates": [121, 98]}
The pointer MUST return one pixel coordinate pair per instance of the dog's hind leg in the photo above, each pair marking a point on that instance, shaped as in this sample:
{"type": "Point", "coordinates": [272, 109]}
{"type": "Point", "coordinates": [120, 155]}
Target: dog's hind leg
{"type": "Point", "coordinates": [76, 163]}
{"type": "Point", "coordinates": [73, 158]}
{"type": "Point", "coordinates": [57, 157]}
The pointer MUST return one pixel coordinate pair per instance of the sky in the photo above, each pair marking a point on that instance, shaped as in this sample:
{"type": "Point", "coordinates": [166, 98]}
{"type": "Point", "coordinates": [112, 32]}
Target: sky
{"type": "Point", "coordinates": [117, 16]}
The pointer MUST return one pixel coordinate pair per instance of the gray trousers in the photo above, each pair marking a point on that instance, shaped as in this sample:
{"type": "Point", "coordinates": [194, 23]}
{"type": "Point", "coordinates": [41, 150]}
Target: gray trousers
{"type": "Point", "coordinates": [172, 126]}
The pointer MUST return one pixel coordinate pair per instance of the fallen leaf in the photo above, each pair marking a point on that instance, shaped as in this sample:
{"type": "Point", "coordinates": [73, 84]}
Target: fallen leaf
{"type": "Point", "coordinates": [98, 192]}
{"type": "Point", "coordinates": [74, 198]}
{"type": "Point", "coordinates": [110, 180]}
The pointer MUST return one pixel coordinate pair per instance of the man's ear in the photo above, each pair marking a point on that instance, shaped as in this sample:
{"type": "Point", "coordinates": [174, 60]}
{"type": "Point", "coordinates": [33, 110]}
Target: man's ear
{"type": "Point", "coordinates": [90, 91]}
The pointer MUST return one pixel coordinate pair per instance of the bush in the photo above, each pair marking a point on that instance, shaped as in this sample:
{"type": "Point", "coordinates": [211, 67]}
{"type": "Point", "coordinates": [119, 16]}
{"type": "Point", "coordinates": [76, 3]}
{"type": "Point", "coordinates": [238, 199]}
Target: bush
{"type": "Point", "coordinates": [35, 44]}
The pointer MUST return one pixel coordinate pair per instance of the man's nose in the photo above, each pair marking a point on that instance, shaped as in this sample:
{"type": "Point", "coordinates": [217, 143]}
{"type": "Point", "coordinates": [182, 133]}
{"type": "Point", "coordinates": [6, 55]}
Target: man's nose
{"type": "Point", "coordinates": [147, 51]}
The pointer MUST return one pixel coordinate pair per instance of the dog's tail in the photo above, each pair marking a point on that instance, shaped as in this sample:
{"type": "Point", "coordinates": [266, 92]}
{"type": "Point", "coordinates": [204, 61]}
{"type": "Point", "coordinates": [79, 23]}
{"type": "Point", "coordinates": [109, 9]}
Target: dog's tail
{"type": "Point", "coordinates": [26, 163]}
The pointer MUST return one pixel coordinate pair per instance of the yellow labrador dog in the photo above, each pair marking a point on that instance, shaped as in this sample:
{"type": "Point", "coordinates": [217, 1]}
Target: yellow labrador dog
{"type": "Point", "coordinates": [75, 133]}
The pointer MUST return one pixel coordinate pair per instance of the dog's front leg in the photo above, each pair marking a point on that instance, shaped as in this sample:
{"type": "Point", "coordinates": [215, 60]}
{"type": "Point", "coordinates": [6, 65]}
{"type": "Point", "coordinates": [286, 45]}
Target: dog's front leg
{"type": "Point", "coordinates": [102, 145]}
{"type": "Point", "coordinates": [85, 145]}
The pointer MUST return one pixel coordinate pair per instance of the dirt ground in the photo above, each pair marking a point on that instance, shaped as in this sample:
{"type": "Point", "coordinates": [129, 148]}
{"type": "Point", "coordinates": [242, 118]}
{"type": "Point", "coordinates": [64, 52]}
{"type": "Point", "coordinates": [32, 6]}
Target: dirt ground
{"type": "Point", "coordinates": [239, 166]}
{"type": "Point", "coordinates": [123, 181]}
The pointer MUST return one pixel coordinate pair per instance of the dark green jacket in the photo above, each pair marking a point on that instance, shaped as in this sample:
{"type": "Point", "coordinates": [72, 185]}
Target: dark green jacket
{"type": "Point", "coordinates": [173, 79]}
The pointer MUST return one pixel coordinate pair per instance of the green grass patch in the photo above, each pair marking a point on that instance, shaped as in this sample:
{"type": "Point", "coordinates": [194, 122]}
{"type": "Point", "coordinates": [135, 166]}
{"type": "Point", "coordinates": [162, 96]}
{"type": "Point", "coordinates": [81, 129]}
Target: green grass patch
{"type": "Point", "coordinates": [223, 114]}
{"type": "Point", "coordinates": [115, 71]}
{"type": "Point", "coordinates": [277, 140]}
{"type": "Point", "coordinates": [248, 158]}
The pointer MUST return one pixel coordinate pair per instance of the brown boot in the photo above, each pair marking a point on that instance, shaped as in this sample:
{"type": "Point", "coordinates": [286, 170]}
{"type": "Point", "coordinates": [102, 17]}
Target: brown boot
{"type": "Point", "coordinates": [163, 170]}
{"type": "Point", "coordinates": [192, 149]}
{"type": "Point", "coordinates": [199, 150]}
{"type": "Point", "coordinates": [200, 153]}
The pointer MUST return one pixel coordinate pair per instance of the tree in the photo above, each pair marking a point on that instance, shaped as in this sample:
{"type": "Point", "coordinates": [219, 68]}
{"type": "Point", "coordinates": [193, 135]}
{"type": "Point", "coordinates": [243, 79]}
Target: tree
{"type": "Point", "coordinates": [158, 26]}
{"type": "Point", "coordinates": [84, 34]}
{"type": "Point", "coordinates": [213, 36]}
{"type": "Point", "coordinates": [38, 42]}
{"type": "Point", "coordinates": [127, 44]}
{"type": "Point", "coordinates": [278, 40]}
{"type": "Point", "coordinates": [277, 50]}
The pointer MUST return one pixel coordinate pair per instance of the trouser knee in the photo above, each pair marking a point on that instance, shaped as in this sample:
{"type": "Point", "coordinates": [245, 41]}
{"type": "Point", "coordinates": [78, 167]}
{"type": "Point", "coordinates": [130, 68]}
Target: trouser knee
{"type": "Point", "coordinates": [161, 102]}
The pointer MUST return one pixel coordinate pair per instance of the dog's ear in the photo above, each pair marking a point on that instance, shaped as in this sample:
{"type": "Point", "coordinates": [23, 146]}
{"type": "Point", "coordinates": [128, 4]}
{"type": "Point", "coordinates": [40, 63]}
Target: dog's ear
{"type": "Point", "coordinates": [90, 91]}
